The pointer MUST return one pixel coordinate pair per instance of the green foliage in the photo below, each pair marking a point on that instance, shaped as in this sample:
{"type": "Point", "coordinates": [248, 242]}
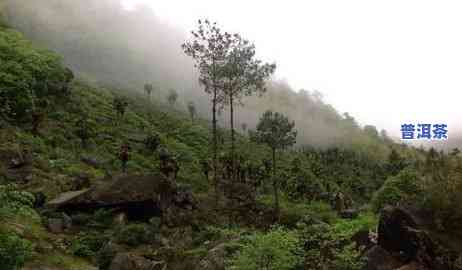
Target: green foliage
{"type": "Point", "coordinates": [275, 130]}
{"type": "Point", "coordinates": [135, 234]}
{"type": "Point", "coordinates": [27, 76]}
{"type": "Point", "coordinates": [395, 162]}
{"type": "Point", "coordinates": [105, 255]}
{"type": "Point", "coordinates": [152, 142]}
{"type": "Point", "coordinates": [442, 186]}
{"type": "Point", "coordinates": [397, 189]}
{"type": "Point", "coordinates": [16, 203]}
{"type": "Point", "coordinates": [86, 245]}
{"type": "Point", "coordinates": [345, 229]}
{"type": "Point", "coordinates": [120, 105]}
{"type": "Point", "coordinates": [302, 184]}
{"type": "Point", "coordinates": [292, 213]}
{"type": "Point", "coordinates": [103, 217]}
{"type": "Point", "coordinates": [326, 248]}
{"type": "Point", "coordinates": [342, 168]}
{"type": "Point", "coordinates": [84, 129]}
{"type": "Point", "coordinates": [277, 250]}
{"type": "Point", "coordinates": [14, 251]}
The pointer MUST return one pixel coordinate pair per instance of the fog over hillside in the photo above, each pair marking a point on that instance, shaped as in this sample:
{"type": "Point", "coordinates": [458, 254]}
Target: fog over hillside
{"type": "Point", "coordinates": [102, 41]}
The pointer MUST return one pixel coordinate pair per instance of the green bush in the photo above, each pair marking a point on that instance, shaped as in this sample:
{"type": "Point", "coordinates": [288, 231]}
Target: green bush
{"type": "Point", "coordinates": [103, 217]}
{"type": "Point", "coordinates": [326, 248]}
{"type": "Point", "coordinates": [345, 228]}
{"type": "Point", "coordinates": [304, 186]}
{"type": "Point", "coordinates": [28, 76]}
{"type": "Point", "coordinates": [16, 203]}
{"type": "Point", "coordinates": [291, 213]}
{"type": "Point", "coordinates": [275, 250]}
{"type": "Point", "coordinates": [135, 234]}
{"type": "Point", "coordinates": [14, 251]}
{"type": "Point", "coordinates": [401, 188]}
{"type": "Point", "coordinates": [86, 245]}
{"type": "Point", "coordinates": [106, 254]}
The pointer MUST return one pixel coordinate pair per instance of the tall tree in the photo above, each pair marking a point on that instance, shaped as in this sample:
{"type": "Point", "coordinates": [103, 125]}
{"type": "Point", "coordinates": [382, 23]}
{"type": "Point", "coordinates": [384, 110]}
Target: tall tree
{"type": "Point", "coordinates": [244, 75]}
{"type": "Point", "coordinates": [192, 110]}
{"type": "Point", "coordinates": [148, 90]}
{"type": "Point", "coordinates": [120, 105]}
{"type": "Point", "coordinates": [275, 130]}
{"type": "Point", "coordinates": [208, 48]}
{"type": "Point", "coordinates": [244, 127]}
{"type": "Point", "coordinates": [172, 97]}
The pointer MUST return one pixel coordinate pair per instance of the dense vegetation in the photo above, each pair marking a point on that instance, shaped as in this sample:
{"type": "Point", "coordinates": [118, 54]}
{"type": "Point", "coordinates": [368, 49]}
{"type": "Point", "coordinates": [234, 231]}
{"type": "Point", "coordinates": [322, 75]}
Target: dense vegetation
{"type": "Point", "coordinates": [52, 125]}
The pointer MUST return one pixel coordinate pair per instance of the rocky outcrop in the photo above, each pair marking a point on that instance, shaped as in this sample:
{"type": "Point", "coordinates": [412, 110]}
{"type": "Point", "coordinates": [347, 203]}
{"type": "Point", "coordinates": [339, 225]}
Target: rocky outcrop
{"type": "Point", "coordinates": [215, 259]}
{"type": "Point", "coordinates": [362, 239]}
{"type": "Point", "coordinates": [404, 237]}
{"type": "Point", "coordinates": [17, 165]}
{"type": "Point", "coordinates": [140, 197]}
{"type": "Point", "coordinates": [59, 223]}
{"type": "Point", "coordinates": [380, 259]}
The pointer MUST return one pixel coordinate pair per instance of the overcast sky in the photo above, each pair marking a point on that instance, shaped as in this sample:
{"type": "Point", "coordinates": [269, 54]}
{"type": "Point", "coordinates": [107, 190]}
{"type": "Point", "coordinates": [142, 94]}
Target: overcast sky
{"type": "Point", "coordinates": [384, 62]}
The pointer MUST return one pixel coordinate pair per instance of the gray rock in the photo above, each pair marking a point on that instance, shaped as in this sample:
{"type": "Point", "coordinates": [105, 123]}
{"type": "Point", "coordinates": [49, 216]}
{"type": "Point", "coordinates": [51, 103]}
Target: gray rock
{"type": "Point", "coordinates": [58, 223]}
{"type": "Point", "coordinates": [378, 258]}
{"type": "Point", "coordinates": [128, 261]}
{"type": "Point", "coordinates": [215, 259]}
{"type": "Point", "coordinates": [55, 225]}
{"type": "Point", "coordinates": [91, 161]}
{"type": "Point", "coordinates": [67, 221]}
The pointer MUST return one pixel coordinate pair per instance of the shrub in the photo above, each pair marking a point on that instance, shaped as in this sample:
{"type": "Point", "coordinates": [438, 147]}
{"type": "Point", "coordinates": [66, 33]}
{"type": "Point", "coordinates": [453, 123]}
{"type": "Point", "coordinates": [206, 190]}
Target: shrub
{"type": "Point", "coordinates": [103, 217]}
{"type": "Point", "coordinates": [14, 251]}
{"type": "Point", "coordinates": [397, 189]}
{"type": "Point", "coordinates": [16, 203]}
{"type": "Point", "coordinates": [326, 248]}
{"type": "Point", "coordinates": [347, 228]}
{"type": "Point", "coordinates": [304, 185]}
{"type": "Point", "coordinates": [28, 76]}
{"type": "Point", "coordinates": [291, 213]}
{"type": "Point", "coordinates": [152, 142]}
{"type": "Point", "coordinates": [275, 250]}
{"type": "Point", "coordinates": [106, 254]}
{"type": "Point", "coordinates": [86, 245]}
{"type": "Point", "coordinates": [135, 234]}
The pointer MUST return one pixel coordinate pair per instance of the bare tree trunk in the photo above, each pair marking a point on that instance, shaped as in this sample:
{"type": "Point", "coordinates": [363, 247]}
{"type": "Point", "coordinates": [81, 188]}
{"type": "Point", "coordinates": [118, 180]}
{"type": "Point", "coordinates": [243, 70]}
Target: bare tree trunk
{"type": "Point", "coordinates": [233, 158]}
{"type": "Point", "coordinates": [214, 124]}
{"type": "Point", "coordinates": [275, 187]}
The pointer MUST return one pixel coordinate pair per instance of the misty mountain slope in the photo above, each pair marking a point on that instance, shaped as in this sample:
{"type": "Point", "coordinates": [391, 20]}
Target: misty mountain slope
{"type": "Point", "coordinates": [102, 42]}
{"type": "Point", "coordinates": [60, 134]}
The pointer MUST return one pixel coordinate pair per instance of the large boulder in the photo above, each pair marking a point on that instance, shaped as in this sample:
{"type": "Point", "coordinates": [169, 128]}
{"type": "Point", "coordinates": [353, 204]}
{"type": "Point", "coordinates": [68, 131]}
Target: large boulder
{"type": "Point", "coordinates": [378, 258]}
{"type": "Point", "coordinates": [140, 197]}
{"type": "Point", "coordinates": [404, 231]}
{"type": "Point", "coordinates": [362, 239]}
